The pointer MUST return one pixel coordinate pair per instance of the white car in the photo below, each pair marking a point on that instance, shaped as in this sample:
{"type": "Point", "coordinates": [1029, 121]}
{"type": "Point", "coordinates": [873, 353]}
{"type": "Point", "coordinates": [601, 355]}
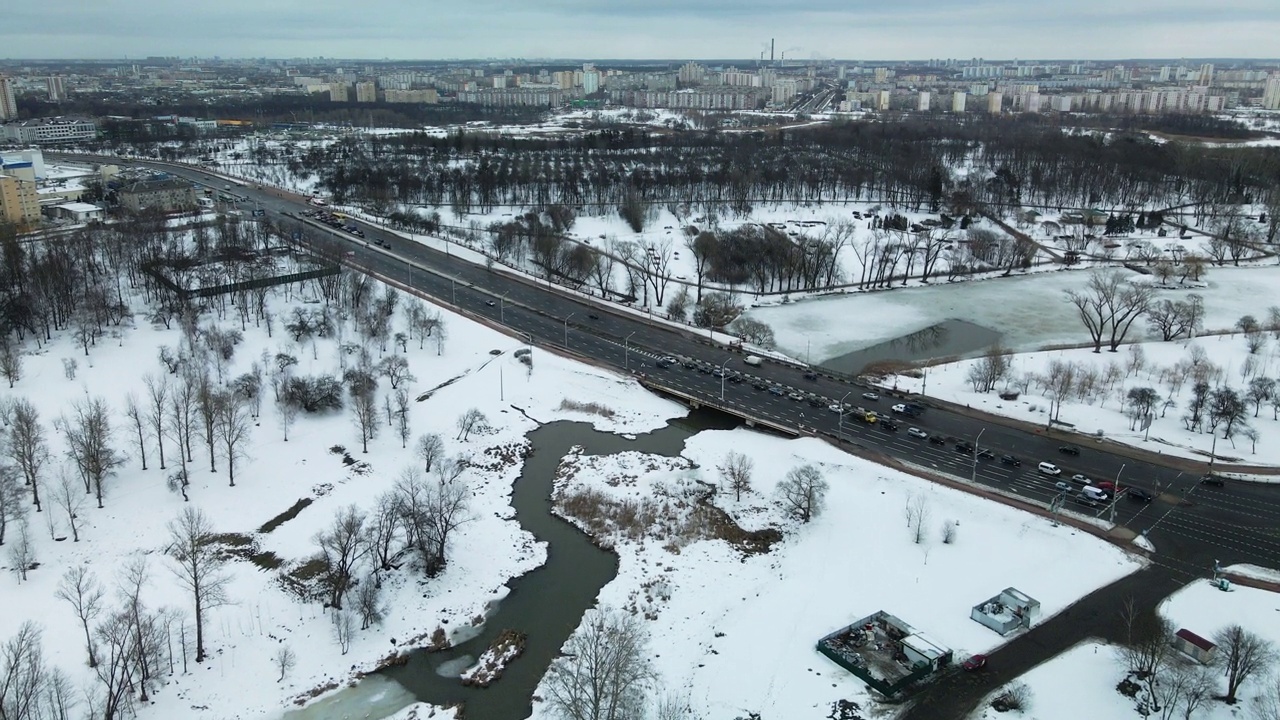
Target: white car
{"type": "Point", "coordinates": [899, 408]}
{"type": "Point", "coordinates": [870, 396]}
{"type": "Point", "coordinates": [1083, 480]}
{"type": "Point", "coordinates": [834, 407]}
{"type": "Point", "coordinates": [918, 433]}
{"type": "Point", "coordinates": [1049, 468]}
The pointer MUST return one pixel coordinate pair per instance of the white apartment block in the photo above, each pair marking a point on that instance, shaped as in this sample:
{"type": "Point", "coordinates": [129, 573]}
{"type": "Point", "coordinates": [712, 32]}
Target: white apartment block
{"type": "Point", "coordinates": [45, 131]}
{"type": "Point", "coordinates": [1271, 94]}
{"type": "Point", "coordinates": [958, 101]}
{"type": "Point", "coordinates": [8, 106]}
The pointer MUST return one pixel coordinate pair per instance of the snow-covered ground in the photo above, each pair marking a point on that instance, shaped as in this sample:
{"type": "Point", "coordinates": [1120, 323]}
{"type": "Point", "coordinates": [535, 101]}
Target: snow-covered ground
{"type": "Point", "coordinates": [1082, 682]}
{"type": "Point", "coordinates": [239, 679]}
{"type": "Point", "coordinates": [735, 633]}
{"type": "Point", "coordinates": [1102, 408]}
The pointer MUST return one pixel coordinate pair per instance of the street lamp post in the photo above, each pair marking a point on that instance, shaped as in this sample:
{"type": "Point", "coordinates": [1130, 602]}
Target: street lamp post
{"type": "Point", "coordinates": [840, 421]}
{"type": "Point", "coordinates": [722, 373]}
{"type": "Point", "coordinates": [566, 330]}
{"type": "Point", "coordinates": [1115, 497]}
{"type": "Point", "coordinates": [973, 477]}
{"type": "Point", "coordinates": [626, 352]}
{"type": "Point", "coordinates": [453, 291]}
{"type": "Point", "coordinates": [502, 308]}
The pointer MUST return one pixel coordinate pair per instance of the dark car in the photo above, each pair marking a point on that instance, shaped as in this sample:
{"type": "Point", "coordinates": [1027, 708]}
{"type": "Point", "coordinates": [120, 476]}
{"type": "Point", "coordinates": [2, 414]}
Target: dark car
{"type": "Point", "coordinates": [593, 316]}
{"type": "Point", "coordinates": [1010, 460]}
{"type": "Point", "coordinates": [759, 386]}
{"type": "Point", "coordinates": [889, 425]}
{"type": "Point", "coordinates": [915, 409]}
{"type": "Point", "coordinates": [1137, 494]}
{"type": "Point", "coordinates": [664, 363]}
{"type": "Point", "coordinates": [964, 447]}
{"type": "Point", "coordinates": [1214, 480]}
{"type": "Point", "coordinates": [985, 454]}
{"type": "Point", "coordinates": [734, 378]}
{"type": "Point", "coordinates": [690, 364]}
{"type": "Point", "coordinates": [777, 390]}
{"type": "Point", "coordinates": [1069, 450]}
{"type": "Point", "coordinates": [937, 440]}
{"type": "Point", "coordinates": [811, 375]}
{"type": "Point", "coordinates": [975, 662]}
{"type": "Point", "coordinates": [815, 401]}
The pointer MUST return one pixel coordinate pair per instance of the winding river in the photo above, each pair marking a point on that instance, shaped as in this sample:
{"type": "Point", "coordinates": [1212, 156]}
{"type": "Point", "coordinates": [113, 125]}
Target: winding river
{"type": "Point", "coordinates": [546, 603]}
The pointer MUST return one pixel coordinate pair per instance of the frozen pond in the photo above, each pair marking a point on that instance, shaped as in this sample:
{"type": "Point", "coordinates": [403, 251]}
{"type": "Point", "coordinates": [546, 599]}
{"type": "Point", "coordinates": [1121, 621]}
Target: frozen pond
{"type": "Point", "coordinates": [947, 338]}
{"type": "Point", "coordinates": [1028, 311]}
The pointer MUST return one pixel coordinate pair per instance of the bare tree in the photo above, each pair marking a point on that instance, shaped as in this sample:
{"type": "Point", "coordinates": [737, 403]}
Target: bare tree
{"type": "Point", "coordinates": [470, 421]}
{"type": "Point", "coordinates": [402, 416]}
{"type": "Point", "coordinates": [364, 414]}
{"type": "Point", "coordinates": [286, 414]}
{"type": "Point", "coordinates": [138, 419]}
{"type": "Point", "coordinates": [82, 591]}
{"type": "Point", "coordinates": [23, 675]}
{"type": "Point", "coordinates": [1267, 703]}
{"type": "Point", "coordinates": [342, 547]}
{"type": "Point", "coordinates": [396, 370]}
{"type": "Point", "coordinates": [917, 513]}
{"type": "Point", "coordinates": [802, 492]}
{"type": "Point", "coordinates": [431, 512]}
{"type": "Point", "coordinates": [369, 602]}
{"type": "Point", "coordinates": [736, 471]}
{"type": "Point", "coordinates": [69, 499]}
{"type": "Point", "coordinates": [181, 423]}
{"type": "Point", "coordinates": [10, 361]}
{"type": "Point", "coordinates": [1243, 654]}
{"type": "Point", "coordinates": [430, 449]}
{"type": "Point", "coordinates": [22, 554]}
{"type": "Point", "coordinates": [284, 660]}
{"type": "Point", "coordinates": [27, 447]}
{"type": "Point", "coordinates": [157, 401]}
{"type": "Point", "coordinates": [198, 565]}
{"type": "Point", "coordinates": [232, 425]}
{"type": "Point", "coordinates": [118, 663]}
{"type": "Point", "coordinates": [11, 509]}
{"type": "Point", "coordinates": [88, 435]}
{"type": "Point", "coordinates": [603, 672]}
{"type": "Point", "coordinates": [344, 626]}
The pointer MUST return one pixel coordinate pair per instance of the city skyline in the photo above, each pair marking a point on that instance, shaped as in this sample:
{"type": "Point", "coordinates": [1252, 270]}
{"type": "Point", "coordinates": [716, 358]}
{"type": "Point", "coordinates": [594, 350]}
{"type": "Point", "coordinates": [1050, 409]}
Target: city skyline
{"type": "Point", "coordinates": [817, 29]}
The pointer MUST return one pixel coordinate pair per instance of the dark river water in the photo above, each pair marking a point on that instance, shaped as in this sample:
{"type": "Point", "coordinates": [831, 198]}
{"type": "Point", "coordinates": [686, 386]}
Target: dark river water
{"type": "Point", "coordinates": [546, 603]}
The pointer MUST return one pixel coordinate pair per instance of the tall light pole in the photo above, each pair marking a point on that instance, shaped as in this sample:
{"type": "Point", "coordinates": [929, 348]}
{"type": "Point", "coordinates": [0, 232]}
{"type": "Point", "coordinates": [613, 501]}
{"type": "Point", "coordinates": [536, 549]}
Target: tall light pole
{"type": "Point", "coordinates": [566, 330]}
{"type": "Point", "coordinates": [973, 478]}
{"type": "Point", "coordinates": [1115, 495]}
{"type": "Point", "coordinates": [453, 291]}
{"type": "Point", "coordinates": [840, 421]}
{"type": "Point", "coordinates": [722, 373]}
{"type": "Point", "coordinates": [626, 352]}
{"type": "Point", "coordinates": [502, 308]}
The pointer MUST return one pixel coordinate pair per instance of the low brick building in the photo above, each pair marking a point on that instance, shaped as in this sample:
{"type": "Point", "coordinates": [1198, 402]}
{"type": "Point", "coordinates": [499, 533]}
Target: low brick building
{"type": "Point", "coordinates": [166, 195]}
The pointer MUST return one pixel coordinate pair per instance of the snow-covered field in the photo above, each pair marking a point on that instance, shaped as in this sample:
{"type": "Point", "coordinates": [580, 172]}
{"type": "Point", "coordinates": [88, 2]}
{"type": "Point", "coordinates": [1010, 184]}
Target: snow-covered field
{"type": "Point", "coordinates": [734, 633]}
{"type": "Point", "coordinates": [1082, 682]}
{"type": "Point", "coordinates": [242, 637]}
{"type": "Point", "coordinates": [1225, 358]}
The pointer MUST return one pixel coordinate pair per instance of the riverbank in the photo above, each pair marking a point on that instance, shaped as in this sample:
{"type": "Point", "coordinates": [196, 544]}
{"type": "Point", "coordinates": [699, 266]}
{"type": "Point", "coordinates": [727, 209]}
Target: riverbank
{"type": "Point", "coordinates": [733, 631]}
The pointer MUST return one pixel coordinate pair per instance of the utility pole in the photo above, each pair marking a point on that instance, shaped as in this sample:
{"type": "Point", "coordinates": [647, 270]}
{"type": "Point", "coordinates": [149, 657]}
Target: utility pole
{"type": "Point", "coordinates": [973, 478]}
{"type": "Point", "coordinates": [502, 308]}
{"type": "Point", "coordinates": [722, 373]}
{"type": "Point", "coordinates": [626, 352]}
{"type": "Point", "coordinates": [840, 421]}
{"type": "Point", "coordinates": [566, 329]}
{"type": "Point", "coordinates": [1115, 496]}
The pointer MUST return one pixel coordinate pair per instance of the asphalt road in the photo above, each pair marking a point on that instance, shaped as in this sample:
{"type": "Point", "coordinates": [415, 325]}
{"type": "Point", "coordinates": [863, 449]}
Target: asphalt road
{"type": "Point", "coordinates": [1190, 524]}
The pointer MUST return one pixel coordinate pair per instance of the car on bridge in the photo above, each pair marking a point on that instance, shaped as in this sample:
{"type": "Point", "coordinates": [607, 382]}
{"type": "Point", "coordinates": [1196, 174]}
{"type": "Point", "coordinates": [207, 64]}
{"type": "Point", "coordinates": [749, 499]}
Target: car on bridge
{"type": "Point", "coordinates": [916, 432]}
{"type": "Point", "coordinates": [777, 390]}
{"type": "Point", "coordinates": [1010, 460]}
{"type": "Point", "coordinates": [1213, 480]}
{"type": "Point", "coordinates": [1069, 450]}
{"type": "Point", "coordinates": [870, 396]}
{"type": "Point", "coordinates": [1137, 494]}
{"type": "Point", "coordinates": [964, 446]}
{"type": "Point", "coordinates": [1082, 479]}
{"type": "Point", "coordinates": [1049, 469]}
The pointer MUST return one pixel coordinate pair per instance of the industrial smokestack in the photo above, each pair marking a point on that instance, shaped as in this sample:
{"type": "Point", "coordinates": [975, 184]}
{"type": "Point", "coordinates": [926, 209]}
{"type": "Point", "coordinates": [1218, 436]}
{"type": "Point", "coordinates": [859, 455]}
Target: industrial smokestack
{"type": "Point", "coordinates": [770, 51]}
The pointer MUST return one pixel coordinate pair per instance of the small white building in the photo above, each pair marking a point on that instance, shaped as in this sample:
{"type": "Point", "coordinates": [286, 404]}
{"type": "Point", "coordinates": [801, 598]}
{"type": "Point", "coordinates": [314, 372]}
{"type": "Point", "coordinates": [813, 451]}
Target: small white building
{"type": "Point", "coordinates": [76, 212]}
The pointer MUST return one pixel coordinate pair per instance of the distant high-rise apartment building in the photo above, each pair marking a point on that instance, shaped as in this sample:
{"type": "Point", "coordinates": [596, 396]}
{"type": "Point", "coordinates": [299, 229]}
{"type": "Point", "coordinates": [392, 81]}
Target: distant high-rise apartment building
{"type": "Point", "coordinates": [1206, 75]}
{"type": "Point", "coordinates": [995, 102]}
{"type": "Point", "coordinates": [1271, 94]}
{"type": "Point", "coordinates": [339, 92]}
{"type": "Point", "coordinates": [8, 106]}
{"type": "Point", "coordinates": [57, 88]}
{"type": "Point", "coordinates": [19, 203]}
{"type": "Point", "coordinates": [958, 100]}
{"type": "Point", "coordinates": [366, 92]}
{"type": "Point", "coordinates": [590, 81]}
{"type": "Point", "coordinates": [882, 100]}
{"type": "Point", "coordinates": [691, 73]}
{"type": "Point", "coordinates": [881, 74]}
{"type": "Point", "coordinates": [922, 102]}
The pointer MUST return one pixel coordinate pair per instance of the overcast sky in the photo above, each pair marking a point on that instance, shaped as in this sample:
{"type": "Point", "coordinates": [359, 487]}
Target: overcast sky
{"type": "Point", "coordinates": [804, 29]}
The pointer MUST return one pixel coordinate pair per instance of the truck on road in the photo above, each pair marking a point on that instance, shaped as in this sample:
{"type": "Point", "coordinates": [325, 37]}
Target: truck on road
{"type": "Point", "coordinates": [752, 360]}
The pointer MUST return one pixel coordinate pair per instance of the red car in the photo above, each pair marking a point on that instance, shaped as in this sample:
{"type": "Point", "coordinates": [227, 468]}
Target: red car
{"type": "Point", "coordinates": [975, 662]}
{"type": "Point", "coordinates": [1105, 485]}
